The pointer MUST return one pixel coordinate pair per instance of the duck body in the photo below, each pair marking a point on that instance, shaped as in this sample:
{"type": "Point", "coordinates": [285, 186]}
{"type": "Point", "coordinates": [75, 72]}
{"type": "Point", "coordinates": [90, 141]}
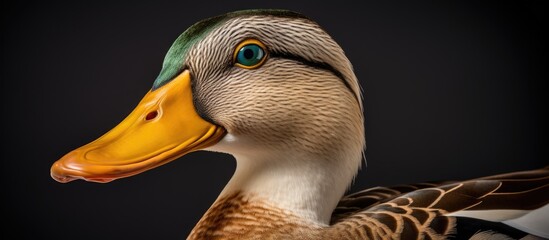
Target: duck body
{"type": "Point", "coordinates": [273, 89]}
{"type": "Point", "coordinates": [415, 211]}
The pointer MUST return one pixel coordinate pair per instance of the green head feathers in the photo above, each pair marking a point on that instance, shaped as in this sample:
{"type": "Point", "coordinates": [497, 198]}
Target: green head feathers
{"type": "Point", "coordinates": [174, 62]}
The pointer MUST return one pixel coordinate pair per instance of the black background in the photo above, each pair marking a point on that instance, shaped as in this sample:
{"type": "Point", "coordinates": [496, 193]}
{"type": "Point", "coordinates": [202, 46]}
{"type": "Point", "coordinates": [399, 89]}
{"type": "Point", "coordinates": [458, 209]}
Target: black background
{"type": "Point", "coordinates": [453, 90]}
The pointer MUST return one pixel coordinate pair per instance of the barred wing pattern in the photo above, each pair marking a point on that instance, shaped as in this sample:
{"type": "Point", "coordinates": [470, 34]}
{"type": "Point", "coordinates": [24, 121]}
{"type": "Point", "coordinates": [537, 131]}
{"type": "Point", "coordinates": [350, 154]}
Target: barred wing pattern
{"type": "Point", "coordinates": [421, 211]}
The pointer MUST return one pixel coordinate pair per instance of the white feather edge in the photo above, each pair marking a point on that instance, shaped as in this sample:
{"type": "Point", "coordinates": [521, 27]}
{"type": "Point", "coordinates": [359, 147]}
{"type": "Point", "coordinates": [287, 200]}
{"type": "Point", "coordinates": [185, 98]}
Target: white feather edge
{"type": "Point", "coordinates": [535, 222]}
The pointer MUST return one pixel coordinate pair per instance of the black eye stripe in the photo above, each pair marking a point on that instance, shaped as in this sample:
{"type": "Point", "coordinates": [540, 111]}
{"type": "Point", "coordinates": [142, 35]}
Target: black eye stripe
{"type": "Point", "coordinates": [314, 64]}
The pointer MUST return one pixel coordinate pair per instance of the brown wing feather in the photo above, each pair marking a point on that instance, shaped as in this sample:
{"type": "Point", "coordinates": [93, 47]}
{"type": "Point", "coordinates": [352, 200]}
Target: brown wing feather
{"type": "Point", "coordinates": [419, 211]}
{"type": "Point", "coordinates": [364, 199]}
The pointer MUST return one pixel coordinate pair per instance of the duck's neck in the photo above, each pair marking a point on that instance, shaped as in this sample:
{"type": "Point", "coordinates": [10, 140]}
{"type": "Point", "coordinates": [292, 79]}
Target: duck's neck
{"type": "Point", "coordinates": [305, 185]}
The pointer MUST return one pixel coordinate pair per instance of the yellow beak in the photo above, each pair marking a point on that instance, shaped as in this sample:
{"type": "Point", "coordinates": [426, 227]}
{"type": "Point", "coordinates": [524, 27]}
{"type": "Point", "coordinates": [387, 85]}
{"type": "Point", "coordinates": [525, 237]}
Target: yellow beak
{"type": "Point", "coordinates": [164, 126]}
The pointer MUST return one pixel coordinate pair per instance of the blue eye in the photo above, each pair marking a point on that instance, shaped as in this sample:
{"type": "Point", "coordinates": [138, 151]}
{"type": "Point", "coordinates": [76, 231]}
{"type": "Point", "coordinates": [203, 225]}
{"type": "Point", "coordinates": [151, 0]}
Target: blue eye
{"type": "Point", "coordinates": [250, 55]}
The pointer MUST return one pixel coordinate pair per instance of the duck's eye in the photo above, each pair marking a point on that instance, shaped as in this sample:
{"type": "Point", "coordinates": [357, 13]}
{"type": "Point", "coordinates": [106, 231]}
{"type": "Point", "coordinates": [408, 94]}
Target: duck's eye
{"type": "Point", "coordinates": [250, 54]}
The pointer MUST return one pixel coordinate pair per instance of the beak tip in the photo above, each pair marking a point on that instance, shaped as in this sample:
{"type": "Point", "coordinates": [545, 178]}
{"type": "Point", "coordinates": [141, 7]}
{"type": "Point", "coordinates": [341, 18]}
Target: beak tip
{"type": "Point", "coordinates": [70, 168]}
{"type": "Point", "coordinates": [57, 172]}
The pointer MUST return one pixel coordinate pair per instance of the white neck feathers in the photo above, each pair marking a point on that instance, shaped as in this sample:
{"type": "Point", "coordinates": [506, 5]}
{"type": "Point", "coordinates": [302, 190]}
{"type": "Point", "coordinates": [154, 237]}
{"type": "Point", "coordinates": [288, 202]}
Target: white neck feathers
{"type": "Point", "coordinates": [307, 186]}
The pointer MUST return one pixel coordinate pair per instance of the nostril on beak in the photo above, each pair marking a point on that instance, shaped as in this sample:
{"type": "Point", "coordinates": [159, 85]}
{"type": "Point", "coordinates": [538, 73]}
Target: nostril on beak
{"type": "Point", "coordinates": [151, 115]}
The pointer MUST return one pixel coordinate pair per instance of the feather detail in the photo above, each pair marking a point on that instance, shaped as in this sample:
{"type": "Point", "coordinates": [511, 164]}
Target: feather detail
{"type": "Point", "coordinates": [425, 210]}
{"type": "Point", "coordinates": [490, 235]}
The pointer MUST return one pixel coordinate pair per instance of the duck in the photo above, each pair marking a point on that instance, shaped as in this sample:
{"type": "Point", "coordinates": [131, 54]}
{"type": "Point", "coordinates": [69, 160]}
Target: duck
{"type": "Point", "coordinates": [277, 92]}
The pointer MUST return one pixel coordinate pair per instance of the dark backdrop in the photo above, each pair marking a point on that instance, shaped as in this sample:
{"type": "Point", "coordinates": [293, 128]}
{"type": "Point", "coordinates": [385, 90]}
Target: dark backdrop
{"type": "Point", "coordinates": [453, 90]}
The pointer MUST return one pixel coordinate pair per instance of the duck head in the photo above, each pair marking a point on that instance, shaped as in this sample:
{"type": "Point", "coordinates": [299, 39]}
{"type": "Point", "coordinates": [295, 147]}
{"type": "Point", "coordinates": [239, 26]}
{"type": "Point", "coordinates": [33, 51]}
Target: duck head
{"type": "Point", "coordinates": [270, 87]}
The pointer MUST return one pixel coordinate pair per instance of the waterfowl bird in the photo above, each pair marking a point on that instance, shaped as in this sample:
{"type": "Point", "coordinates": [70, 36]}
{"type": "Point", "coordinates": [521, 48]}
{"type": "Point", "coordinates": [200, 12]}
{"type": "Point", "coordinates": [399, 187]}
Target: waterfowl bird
{"type": "Point", "coordinates": [277, 92]}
